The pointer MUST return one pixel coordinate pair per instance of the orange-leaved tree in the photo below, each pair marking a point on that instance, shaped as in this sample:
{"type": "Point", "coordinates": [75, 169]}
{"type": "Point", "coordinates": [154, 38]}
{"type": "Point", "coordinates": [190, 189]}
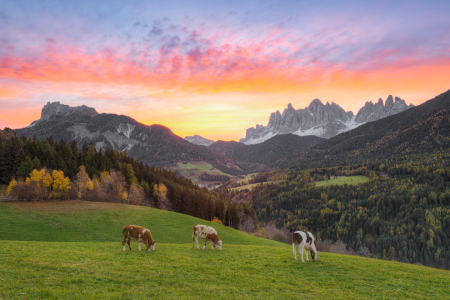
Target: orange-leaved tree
{"type": "Point", "coordinates": [82, 182]}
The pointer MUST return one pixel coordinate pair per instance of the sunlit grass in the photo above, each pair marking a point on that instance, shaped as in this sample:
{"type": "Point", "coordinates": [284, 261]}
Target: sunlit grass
{"type": "Point", "coordinates": [340, 180]}
{"type": "Point", "coordinates": [57, 270]}
{"type": "Point", "coordinates": [251, 186]}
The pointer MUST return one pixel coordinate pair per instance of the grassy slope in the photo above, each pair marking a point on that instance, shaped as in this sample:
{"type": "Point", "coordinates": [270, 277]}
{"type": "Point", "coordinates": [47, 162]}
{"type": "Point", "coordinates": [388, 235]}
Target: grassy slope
{"type": "Point", "coordinates": [343, 180]}
{"type": "Point", "coordinates": [72, 250]}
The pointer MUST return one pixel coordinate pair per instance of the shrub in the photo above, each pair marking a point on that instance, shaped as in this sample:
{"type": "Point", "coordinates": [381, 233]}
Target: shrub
{"type": "Point", "coordinates": [216, 220]}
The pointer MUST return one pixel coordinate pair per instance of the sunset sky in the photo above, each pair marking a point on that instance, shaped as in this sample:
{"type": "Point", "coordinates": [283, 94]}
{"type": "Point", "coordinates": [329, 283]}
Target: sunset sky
{"type": "Point", "coordinates": [216, 68]}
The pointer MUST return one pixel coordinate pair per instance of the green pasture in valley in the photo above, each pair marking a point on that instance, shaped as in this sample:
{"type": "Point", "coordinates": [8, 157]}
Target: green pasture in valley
{"type": "Point", "coordinates": [251, 186]}
{"type": "Point", "coordinates": [193, 169]}
{"type": "Point", "coordinates": [340, 180]}
{"type": "Point", "coordinates": [72, 250]}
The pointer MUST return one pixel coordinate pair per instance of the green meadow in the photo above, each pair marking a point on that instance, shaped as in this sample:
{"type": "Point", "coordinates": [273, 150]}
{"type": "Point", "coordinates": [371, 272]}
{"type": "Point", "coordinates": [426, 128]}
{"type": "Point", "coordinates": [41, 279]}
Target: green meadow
{"type": "Point", "coordinates": [340, 180]}
{"type": "Point", "coordinates": [251, 186]}
{"type": "Point", "coordinates": [193, 169]}
{"type": "Point", "coordinates": [73, 250]}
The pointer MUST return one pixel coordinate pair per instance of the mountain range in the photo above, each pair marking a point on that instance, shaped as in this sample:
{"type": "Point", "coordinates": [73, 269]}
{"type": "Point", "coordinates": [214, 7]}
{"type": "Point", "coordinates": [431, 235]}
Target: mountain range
{"type": "Point", "coordinates": [158, 145]}
{"type": "Point", "coordinates": [322, 120]}
{"type": "Point", "coordinates": [421, 129]}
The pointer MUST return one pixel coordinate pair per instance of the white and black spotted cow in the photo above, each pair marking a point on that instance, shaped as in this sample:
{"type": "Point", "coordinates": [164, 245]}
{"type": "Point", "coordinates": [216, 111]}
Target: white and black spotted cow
{"type": "Point", "coordinates": [207, 233]}
{"type": "Point", "coordinates": [304, 241]}
{"type": "Point", "coordinates": [137, 233]}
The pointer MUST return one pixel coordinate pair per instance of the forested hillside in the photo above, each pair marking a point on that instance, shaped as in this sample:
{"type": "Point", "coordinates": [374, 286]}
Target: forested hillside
{"type": "Point", "coordinates": [113, 176]}
{"type": "Point", "coordinates": [403, 215]}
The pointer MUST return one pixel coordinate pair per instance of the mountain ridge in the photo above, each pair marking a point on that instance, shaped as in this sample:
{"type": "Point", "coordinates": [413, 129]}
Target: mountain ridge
{"type": "Point", "coordinates": [323, 120]}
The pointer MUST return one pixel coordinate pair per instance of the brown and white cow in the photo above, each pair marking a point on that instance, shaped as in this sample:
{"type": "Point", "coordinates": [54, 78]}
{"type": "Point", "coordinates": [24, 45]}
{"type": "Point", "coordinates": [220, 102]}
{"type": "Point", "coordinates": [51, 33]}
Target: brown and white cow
{"type": "Point", "coordinates": [304, 241]}
{"type": "Point", "coordinates": [207, 233]}
{"type": "Point", "coordinates": [137, 233]}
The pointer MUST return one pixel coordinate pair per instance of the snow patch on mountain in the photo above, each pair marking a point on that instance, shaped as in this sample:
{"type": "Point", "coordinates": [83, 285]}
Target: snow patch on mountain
{"type": "Point", "coordinates": [125, 129]}
{"type": "Point", "coordinates": [198, 140]}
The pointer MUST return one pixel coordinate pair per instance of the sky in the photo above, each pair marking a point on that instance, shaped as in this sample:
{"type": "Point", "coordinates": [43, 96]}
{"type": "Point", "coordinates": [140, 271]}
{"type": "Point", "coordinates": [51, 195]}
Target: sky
{"type": "Point", "coordinates": [216, 68]}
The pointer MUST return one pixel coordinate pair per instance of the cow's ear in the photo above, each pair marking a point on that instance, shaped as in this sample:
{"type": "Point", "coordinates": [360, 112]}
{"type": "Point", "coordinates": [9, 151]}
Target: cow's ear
{"type": "Point", "coordinates": [153, 242]}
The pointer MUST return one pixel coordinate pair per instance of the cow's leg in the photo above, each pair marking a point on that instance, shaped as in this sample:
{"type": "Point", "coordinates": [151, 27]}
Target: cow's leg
{"type": "Point", "coordinates": [301, 252]}
{"type": "Point", "coordinates": [129, 243]}
{"type": "Point", "coordinates": [294, 249]}
{"type": "Point", "coordinates": [140, 245]}
{"type": "Point", "coordinates": [306, 253]}
{"type": "Point", "coordinates": [124, 242]}
{"type": "Point", "coordinates": [212, 244]}
{"type": "Point", "coordinates": [206, 241]}
{"type": "Point", "coordinates": [195, 242]}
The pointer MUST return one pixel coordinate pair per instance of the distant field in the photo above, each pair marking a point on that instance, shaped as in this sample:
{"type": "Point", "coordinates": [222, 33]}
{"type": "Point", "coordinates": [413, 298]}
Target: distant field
{"type": "Point", "coordinates": [201, 167]}
{"type": "Point", "coordinates": [72, 249]}
{"type": "Point", "coordinates": [251, 186]}
{"type": "Point", "coordinates": [343, 180]}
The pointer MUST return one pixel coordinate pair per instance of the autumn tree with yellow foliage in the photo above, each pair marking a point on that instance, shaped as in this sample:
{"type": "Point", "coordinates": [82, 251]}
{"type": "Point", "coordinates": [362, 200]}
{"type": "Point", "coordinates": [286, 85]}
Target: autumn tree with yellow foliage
{"type": "Point", "coordinates": [41, 185]}
{"type": "Point", "coordinates": [82, 182]}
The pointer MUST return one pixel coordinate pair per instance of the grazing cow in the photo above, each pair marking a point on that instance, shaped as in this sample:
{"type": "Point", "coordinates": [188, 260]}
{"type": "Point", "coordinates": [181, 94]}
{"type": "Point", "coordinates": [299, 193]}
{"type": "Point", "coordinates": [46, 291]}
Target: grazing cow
{"type": "Point", "coordinates": [207, 233]}
{"type": "Point", "coordinates": [304, 240]}
{"type": "Point", "coordinates": [137, 233]}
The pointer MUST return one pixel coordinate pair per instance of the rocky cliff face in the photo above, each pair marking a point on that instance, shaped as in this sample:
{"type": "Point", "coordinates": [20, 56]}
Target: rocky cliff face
{"type": "Point", "coordinates": [57, 109]}
{"type": "Point", "coordinates": [372, 112]}
{"type": "Point", "coordinates": [322, 120]}
{"type": "Point", "coordinates": [198, 140]}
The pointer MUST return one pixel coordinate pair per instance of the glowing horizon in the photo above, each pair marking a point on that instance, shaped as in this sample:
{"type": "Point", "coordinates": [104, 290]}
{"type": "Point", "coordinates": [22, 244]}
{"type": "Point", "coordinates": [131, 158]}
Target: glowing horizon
{"type": "Point", "coordinates": [217, 69]}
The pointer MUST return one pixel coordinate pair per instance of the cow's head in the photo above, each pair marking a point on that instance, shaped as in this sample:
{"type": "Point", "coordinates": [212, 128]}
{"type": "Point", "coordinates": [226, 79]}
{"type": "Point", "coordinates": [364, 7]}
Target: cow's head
{"type": "Point", "coordinates": [218, 245]}
{"type": "Point", "coordinates": [152, 245]}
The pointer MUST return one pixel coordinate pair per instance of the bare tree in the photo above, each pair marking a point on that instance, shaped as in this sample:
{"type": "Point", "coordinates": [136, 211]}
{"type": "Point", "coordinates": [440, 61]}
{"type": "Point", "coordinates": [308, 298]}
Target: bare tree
{"type": "Point", "coordinates": [249, 224]}
{"type": "Point", "coordinates": [364, 251]}
{"type": "Point", "coordinates": [240, 215]}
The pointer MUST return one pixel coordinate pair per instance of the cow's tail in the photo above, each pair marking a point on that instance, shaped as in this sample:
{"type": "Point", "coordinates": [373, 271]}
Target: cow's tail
{"type": "Point", "coordinates": [123, 229]}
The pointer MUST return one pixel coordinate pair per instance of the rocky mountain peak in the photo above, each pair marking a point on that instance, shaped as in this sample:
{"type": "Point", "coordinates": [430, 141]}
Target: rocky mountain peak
{"type": "Point", "coordinates": [199, 140]}
{"type": "Point", "coordinates": [274, 118]}
{"type": "Point", "coordinates": [315, 103]}
{"type": "Point", "coordinates": [55, 108]}
{"type": "Point", "coordinates": [378, 111]}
